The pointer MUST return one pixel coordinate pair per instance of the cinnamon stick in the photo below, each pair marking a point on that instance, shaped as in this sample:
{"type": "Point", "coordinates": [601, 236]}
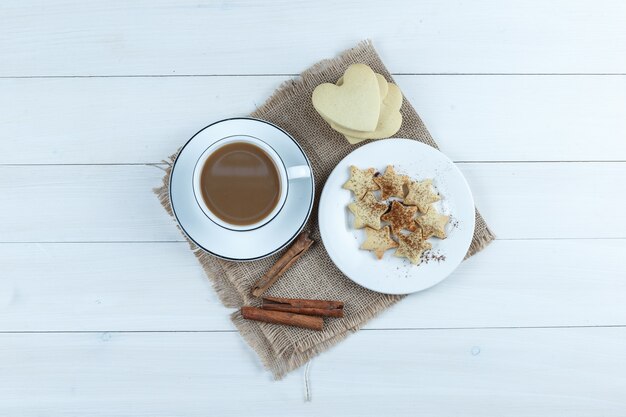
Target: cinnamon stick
{"type": "Point", "coordinates": [325, 308]}
{"type": "Point", "coordinates": [307, 311]}
{"type": "Point", "coordinates": [280, 317]}
{"type": "Point", "coordinates": [295, 251]}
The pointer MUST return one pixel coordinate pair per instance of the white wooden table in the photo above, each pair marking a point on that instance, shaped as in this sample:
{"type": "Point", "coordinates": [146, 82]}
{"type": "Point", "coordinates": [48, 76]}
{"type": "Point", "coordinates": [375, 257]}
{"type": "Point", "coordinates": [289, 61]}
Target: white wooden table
{"type": "Point", "coordinates": [105, 312]}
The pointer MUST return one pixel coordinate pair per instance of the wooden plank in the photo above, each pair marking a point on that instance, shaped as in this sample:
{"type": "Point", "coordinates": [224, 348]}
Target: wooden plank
{"type": "Point", "coordinates": [517, 372]}
{"type": "Point", "coordinates": [474, 118]}
{"type": "Point", "coordinates": [40, 38]}
{"type": "Point", "coordinates": [115, 203]}
{"type": "Point", "coordinates": [63, 203]}
{"type": "Point", "coordinates": [550, 200]}
{"type": "Point", "coordinates": [161, 287]}
{"type": "Point", "coordinates": [114, 286]}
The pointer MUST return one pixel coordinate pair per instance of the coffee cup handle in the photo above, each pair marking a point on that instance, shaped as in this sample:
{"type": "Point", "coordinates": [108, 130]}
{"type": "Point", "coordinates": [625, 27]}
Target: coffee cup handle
{"type": "Point", "coordinates": [298, 171]}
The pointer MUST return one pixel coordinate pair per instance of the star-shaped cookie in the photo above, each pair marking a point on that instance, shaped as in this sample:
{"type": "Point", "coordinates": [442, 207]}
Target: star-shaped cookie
{"type": "Point", "coordinates": [401, 217]}
{"type": "Point", "coordinates": [361, 181]}
{"type": "Point", "coordinates": [411, 247]}
{"type": "Point", "coordinates": [367, 211]}
{"type": "Point", "coordinates": [433, 223]}
{"type": "Point", "coordinates": [390, 183]}
{"type": "Point", "coordinates": [378, 241]}
{"type": "Point", "coordinates": [421, 194]}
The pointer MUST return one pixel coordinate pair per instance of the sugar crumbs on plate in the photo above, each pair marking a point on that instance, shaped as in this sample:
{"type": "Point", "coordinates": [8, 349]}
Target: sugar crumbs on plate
{"type": "Point", "coordinates": [433, 256]}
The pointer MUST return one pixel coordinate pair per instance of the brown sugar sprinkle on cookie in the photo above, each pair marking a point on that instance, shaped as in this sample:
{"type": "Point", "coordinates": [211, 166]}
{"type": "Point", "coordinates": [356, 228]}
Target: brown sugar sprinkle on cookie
{"type": "Point", "coordinates": [411, 247]}
{"type": "Point", "coordinates": [378, 241]}
{"type": "Point", "coordinates": [367, 211]}
{"type": "Point", "coordinates": [421, 195]}
{"type": "Point", "coordinates": [406, 222]}
{"type": "Point", "coordinates": [401, 217]}
{"type": "Point", "coordinates": [361, 181]}
{"type": "Point", "coordinates": [433, 223]}
{"type": "Point", "coordinates": [390, 183]}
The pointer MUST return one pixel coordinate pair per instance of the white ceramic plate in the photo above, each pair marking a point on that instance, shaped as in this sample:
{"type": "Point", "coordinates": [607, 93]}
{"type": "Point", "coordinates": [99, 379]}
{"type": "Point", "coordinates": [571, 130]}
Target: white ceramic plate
{"type": "Point", "coordinates": [393, 275]}
{"type": "Point", "coordinates": [234, 244]}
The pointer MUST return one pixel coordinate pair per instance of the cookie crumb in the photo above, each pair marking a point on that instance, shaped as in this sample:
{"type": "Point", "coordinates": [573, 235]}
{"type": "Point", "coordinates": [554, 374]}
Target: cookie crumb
{"type": "Point", "coordinates": [433, 256]}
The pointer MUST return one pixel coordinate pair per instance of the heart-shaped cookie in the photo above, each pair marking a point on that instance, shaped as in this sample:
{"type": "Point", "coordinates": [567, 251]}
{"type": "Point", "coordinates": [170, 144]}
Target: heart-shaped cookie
{"type": "Point", "coordinates": [389, 122]}
{"type": "Point", "coordinates": [383, 87]}
{"type": "Point", "coordinates": [354, 105]}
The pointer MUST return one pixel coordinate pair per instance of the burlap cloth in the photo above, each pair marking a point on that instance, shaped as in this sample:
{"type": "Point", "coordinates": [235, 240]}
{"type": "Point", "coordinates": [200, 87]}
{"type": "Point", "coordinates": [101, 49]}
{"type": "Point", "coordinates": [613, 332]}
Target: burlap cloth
{"type": "Point", "coordinates": [282, 348]}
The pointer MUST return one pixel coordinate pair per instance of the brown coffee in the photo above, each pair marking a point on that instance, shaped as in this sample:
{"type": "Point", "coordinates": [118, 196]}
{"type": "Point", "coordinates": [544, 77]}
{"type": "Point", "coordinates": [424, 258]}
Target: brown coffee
{"type": "Point", "coordinates": [240, 183]}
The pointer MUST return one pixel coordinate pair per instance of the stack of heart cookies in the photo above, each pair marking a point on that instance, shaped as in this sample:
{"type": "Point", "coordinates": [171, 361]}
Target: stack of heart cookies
{"type": "Point", "coordinates": [361, 105]}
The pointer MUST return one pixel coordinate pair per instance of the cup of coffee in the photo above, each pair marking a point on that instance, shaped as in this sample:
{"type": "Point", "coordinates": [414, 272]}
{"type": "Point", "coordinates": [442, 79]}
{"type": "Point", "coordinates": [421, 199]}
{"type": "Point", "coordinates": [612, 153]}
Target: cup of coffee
{"type": "Point", "coordinates": [241, 183]}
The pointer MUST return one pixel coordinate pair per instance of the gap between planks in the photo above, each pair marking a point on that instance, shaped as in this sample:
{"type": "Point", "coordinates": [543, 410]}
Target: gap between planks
{"type": "Point", "coordinates": [434, 74]}
{"type": "Point", "coordinates": [163, 164]}
{"type": "Point", "coordinates": [141, 242]}
{"type": "Point", "coordinates": [395, 329]}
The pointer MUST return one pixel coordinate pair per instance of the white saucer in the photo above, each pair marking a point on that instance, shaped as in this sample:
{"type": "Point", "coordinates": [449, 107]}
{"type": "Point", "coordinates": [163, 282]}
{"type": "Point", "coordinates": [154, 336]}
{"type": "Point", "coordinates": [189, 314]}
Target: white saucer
{"type": "Point", "coordinates": [232, 244]}
{"type": "Point", "coordinates": [393, 275]}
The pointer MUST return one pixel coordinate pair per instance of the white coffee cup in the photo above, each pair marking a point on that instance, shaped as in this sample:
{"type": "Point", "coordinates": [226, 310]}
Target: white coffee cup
{"type": "Point", "coordinates": [285, 174]}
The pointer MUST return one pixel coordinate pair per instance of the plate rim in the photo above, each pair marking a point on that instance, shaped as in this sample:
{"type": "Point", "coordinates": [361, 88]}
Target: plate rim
{"type": "Point", "coordinates": [300, 228]}
{"type": "Point", "coordinates": [324, 194]}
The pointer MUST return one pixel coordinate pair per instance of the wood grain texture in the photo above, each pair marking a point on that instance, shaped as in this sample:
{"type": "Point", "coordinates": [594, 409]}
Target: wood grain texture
{"type": "Point", "coordinates": [513, 372]}
{"type": "Point", "coordinates": [116, 203]}
{"type": "Point", "coordinates": [473, 118]}
{"type": "Point", "coordinates": [161, 287]}
{"type": "Point", "coordinates": [246, 37]}
{"type": "Point", "coordinates": [512, 332]}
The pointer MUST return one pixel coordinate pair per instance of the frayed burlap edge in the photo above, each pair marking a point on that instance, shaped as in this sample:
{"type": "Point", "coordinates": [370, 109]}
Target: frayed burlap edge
{"type": "Point", "coordinates": [278, 358]}
{"type": "Point", "coordinates": [480, 242]}
{"type": "Point", "coordinates": [226, 290]}
{"type": "Point", "coordinates": [281, 363]}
